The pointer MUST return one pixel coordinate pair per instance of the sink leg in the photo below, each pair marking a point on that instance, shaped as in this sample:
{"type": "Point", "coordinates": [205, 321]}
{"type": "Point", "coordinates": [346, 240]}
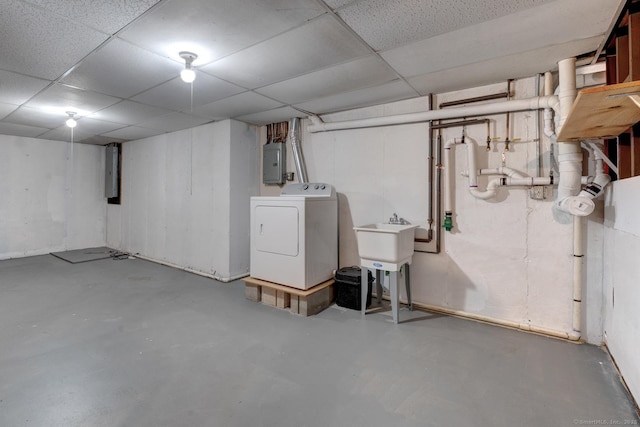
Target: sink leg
{"type": "Point", "coordinates": [407, 283]}
{"type": "Point", "coordinates": [393, 287]}
{"type": "Point", "coordinates": [379, 285]}
{"type": "Point", "coordinates": [364, 288]}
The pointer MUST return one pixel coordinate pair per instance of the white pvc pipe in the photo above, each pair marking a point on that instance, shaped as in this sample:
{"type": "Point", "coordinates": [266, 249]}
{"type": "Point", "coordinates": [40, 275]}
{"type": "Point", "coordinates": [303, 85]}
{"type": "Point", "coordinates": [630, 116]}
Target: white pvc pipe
{"type": "Point", "coordinates": [528, 181]}
{"type": "Point", "coordinates": [601, 155]}
{"type": "Point", "coordinates": [535, 103]}
{"type": "Point", "coordinates": [448, 184]}
{"type": "Point", "coordinates": [492, 187]}
{"type": "Point", "coordinates": [549, 126]}
{"type": "Point", "coordinates": [567, 88]}
{"type": "Point", "coordinates": [577, 277]}
{"type": "Point", "coordinates": [502, 170]}
{"type": "Point", "coordinates": [570, 153]}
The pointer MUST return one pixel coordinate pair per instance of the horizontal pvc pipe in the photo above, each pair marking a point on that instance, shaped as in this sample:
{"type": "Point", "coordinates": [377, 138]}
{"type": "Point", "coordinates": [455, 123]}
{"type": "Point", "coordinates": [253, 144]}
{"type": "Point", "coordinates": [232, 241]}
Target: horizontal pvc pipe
{"type": "Point", "coordinates": [535, 103]}
{"type": "Point", "coordinates": [528, 181]}
{"type": "Point", "coordinates": [500, 170]}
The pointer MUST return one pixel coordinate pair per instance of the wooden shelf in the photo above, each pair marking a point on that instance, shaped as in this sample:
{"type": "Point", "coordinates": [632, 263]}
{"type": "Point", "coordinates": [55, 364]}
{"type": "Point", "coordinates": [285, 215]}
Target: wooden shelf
{"type": "Point", "coordinates": [602, 112]}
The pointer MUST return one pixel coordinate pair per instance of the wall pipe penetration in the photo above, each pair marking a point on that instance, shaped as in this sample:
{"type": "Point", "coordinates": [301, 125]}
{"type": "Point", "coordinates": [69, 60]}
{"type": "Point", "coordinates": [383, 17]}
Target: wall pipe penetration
{"type": "Point", "coordinates": [298, 159]}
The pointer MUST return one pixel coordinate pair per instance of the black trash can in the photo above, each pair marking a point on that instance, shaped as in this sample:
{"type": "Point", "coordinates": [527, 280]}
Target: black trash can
{"type": "Point", "coordinates": [348, 286]}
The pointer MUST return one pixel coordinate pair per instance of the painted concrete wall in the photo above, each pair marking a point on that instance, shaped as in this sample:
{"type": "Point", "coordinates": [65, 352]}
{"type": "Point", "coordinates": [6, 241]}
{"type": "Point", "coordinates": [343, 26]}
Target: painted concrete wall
{"type": "Point", "coordinates": [52, 196]}
{"type": "Point", "coordinates": [184, 195]}
{"type": "Point", "coordinates": [621, 278]}
{"type": "Point", "coordinates": [507, 258]}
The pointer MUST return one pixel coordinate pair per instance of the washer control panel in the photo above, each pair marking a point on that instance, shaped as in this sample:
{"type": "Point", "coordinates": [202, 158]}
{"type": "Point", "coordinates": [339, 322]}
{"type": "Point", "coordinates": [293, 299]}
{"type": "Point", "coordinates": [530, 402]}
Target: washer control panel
{"type": "Point", "coordinates": [311, 189]}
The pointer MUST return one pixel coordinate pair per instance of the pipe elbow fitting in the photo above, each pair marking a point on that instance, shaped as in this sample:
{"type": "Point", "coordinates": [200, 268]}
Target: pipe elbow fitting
{"type": "Point", "coordinates": [594, 188]}
{"type": "Point", "coordinates": [492, 189]}
{"type": "Point", "coordinates": [577, 205]}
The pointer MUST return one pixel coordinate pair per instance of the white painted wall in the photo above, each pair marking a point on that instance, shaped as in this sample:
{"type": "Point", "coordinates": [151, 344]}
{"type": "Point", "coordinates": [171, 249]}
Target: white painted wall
{"type": "Point", "coordinates": [185, 198]}
{"type": "Point", "coordinates": [507, 259]}
{"type": "Point", "coordinates": [621, 278]}
{"type": "Point", "coordinates": [52, 196]}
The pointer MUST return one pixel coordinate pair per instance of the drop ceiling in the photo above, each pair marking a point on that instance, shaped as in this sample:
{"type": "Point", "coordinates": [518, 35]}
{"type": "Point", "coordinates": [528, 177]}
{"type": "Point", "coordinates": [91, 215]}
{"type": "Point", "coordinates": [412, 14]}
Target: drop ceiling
{"type": "Point", "coordinates": [116, 63]}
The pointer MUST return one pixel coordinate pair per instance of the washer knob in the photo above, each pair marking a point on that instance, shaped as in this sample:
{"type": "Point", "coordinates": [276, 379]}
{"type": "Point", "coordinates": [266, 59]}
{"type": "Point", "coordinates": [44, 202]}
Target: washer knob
{"type": "Point", "coordinates": [305, 187]}
{"type": "Point", "coordinates": [323, 187]}
{"type": "Point", "coordinates": [316, 186]}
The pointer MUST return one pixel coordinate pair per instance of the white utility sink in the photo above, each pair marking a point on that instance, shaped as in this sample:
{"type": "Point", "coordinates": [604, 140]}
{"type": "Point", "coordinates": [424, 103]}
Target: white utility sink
{"type": "Point", "coordinates": [385, 246]}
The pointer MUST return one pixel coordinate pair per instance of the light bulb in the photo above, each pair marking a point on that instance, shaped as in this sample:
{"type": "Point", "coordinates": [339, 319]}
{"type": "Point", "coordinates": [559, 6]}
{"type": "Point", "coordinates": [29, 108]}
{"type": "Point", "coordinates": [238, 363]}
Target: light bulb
{"type": "Point", "coordinates": [71, 121]}
{"type": "Point", "coordinates": [188, 75]}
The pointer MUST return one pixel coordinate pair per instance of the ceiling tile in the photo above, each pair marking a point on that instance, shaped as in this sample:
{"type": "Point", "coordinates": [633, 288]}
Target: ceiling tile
{"type": "Point", "coordinates": [489, 39]}
{"type": "Point", "coordinates": [363, 72]}
{"type": "Point", "coordinates": [42, 44]}
{"type": "Point", "coordinates": [35, 117]}
{"type": "Point", "coordinates": [132, 133]}
{"type": "Point", "coordinates": [500, 69]}
{"type": "Point", "coordinates": [174, 121]}
{"type": "Point", "coordinates": [65, 98]}
{"type": "Point", "coordinates": [101, 140]}
{"type": "Point", "coordinates": [318, 44]}
{"type": "Point", "coordinates": [93, 126]}
{"type": "Point", "coordinates": [176, 94]}
{"type": "Point", "coordinates": [237, 105]}
{"type": "Point", "coordinates": [20, 130]}
{"type": "Point", "coordinates": [334, 4]}
{"type": "Point", "coordinates": [272, 116]}
{"type": "Point", "coordinates": [16, 88]}
{"type": "Point", "coordinates": [123, 70]}
{"type": "Point", "coordinates": [388, 92]}
{"type": "Point", "coordinates": [215, 29]}
{"type": "Point", "coordinates": [106, 16]}
{"type": "Point", "coordinates": [128, 112]}
{"type": "Point", "coordinates": [388, 23]}
{"type": "Point", "coordinates": [6, 109]}
{"type": "Point", "coordinates": [63, 133]}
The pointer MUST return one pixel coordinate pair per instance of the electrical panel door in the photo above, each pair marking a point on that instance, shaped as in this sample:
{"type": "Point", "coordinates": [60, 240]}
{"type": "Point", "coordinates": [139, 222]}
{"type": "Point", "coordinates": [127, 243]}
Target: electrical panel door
{"type": "Point", "coordinates": [274, 163]}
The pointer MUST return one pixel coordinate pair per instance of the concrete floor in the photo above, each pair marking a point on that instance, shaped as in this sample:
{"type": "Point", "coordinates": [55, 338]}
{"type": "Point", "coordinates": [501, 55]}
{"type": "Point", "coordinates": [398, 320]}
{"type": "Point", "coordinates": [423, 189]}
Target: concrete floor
{"type": "Point", "coordinates": [132, 343]}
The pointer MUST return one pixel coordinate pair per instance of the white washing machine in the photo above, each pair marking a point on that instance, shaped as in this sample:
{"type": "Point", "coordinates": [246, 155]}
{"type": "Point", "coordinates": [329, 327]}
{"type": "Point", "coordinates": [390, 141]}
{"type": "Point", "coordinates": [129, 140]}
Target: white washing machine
{"type": "Point", "coordinates": [294, 236]}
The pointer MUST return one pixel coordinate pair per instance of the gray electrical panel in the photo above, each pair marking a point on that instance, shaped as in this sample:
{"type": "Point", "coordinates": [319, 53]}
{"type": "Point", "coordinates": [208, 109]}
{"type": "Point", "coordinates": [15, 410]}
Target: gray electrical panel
{"type": "Point", "coordinates": [274, 163]}
{"type": "Point", "coordinates": [111, 172]}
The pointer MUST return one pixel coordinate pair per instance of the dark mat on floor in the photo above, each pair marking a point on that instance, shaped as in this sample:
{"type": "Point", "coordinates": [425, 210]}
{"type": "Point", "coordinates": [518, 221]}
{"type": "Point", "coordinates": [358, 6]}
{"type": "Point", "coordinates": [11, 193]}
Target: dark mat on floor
{"type": "Point", "coordinates": [84, 255]}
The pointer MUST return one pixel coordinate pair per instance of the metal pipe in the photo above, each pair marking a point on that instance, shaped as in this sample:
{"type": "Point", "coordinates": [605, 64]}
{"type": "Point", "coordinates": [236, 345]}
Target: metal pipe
{"type": "Point", "coordinates": [474, 99]}
{"type": "Point", "coordinates": [298, 159]}
{"type": "Point", "coordinates": [538, 138]}
{"type": "Point", "coordinates": [460, 123]}
{"type": "Point", "coordinates": [438, 188]}
{"type": "Point", "coordinates": [430, 178]}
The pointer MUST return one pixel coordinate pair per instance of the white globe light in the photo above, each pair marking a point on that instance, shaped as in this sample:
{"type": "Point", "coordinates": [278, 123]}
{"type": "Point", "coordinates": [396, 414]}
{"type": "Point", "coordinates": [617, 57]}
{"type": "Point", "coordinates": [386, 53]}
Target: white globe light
{"type": "Point", "coordinates": [188, 75]}
{"type": "Point", "coordinates": [71, 123]}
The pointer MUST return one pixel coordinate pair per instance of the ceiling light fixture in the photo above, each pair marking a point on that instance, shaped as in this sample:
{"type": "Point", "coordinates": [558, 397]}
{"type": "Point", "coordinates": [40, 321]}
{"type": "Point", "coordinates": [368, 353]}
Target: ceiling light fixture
{"type": "Point", "coordinates": [188, 75]}
{"type": "Point", "coordinates": [71, 122]}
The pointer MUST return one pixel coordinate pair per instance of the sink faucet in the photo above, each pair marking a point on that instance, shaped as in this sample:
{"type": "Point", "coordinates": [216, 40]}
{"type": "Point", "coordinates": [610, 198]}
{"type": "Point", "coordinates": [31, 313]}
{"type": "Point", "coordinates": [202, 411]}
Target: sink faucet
{"type": "Point", "coordinates": [395, 220]}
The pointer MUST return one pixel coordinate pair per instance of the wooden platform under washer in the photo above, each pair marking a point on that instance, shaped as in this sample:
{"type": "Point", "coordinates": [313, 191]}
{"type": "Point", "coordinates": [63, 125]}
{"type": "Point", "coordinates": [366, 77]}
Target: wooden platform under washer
{"type": "Point", "coordinates": [303, 302]}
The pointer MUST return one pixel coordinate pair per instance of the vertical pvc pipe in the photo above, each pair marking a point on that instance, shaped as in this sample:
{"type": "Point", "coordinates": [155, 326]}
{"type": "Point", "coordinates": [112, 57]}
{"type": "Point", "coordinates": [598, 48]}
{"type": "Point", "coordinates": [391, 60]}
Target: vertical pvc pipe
{"type": "Point", "coordinates": [578, 256]}
{"type": "Point", "coordinates": [448, 186]}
